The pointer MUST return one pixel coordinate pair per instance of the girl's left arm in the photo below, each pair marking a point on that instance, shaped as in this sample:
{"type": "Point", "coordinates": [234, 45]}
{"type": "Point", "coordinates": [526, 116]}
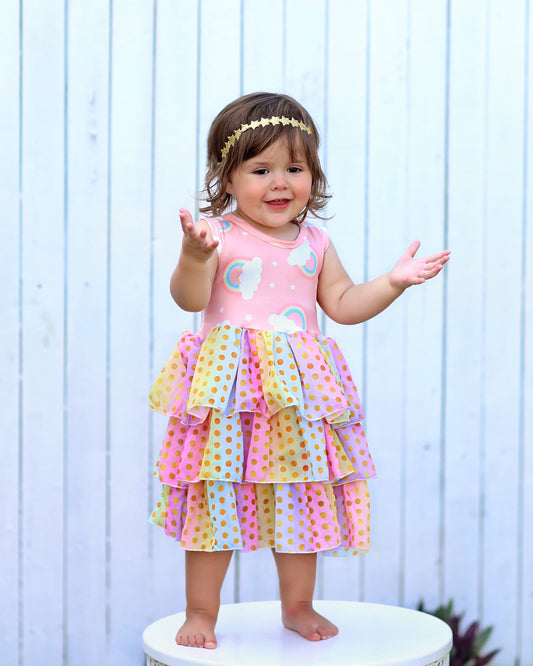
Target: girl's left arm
{"type": "Point", "coordinates": [349, 303]}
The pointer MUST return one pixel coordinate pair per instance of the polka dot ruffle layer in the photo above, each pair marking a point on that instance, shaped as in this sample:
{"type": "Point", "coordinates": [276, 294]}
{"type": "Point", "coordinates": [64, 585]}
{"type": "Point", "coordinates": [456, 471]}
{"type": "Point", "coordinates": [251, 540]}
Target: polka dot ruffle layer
{"type": "Point", "coordinates": [264, 446]}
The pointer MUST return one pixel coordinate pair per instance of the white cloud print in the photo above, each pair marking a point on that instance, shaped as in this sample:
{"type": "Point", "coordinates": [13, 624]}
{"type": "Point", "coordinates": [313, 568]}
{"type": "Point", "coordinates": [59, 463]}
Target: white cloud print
{"type": "Point", "coordinates": [250, 277]}
{"type": "Point", "coordinates": [300, 255]}
{"type": "Point", "coordinates": [283, 323]}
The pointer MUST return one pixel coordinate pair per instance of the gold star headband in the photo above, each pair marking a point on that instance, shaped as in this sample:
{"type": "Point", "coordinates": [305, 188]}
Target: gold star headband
{"type": "Point", "coordinates": [275, 120]}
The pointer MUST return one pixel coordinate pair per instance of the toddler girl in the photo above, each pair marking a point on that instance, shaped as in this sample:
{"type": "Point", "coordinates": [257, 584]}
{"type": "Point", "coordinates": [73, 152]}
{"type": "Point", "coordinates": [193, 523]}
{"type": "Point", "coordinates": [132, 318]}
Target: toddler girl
{"type": "Point", "coordinates": [265, 445]}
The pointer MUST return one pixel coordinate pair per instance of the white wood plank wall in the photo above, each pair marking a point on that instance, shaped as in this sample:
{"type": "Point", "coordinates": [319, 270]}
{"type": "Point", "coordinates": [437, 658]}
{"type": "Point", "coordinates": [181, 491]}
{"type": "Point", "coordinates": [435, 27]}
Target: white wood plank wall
{"type": "Point", "coordinates": [426, 116]}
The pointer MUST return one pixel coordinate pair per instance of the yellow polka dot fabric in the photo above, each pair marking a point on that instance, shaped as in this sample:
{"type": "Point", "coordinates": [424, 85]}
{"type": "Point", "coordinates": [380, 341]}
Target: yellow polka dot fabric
{"type": "Point", "coordinates": [265, 445]}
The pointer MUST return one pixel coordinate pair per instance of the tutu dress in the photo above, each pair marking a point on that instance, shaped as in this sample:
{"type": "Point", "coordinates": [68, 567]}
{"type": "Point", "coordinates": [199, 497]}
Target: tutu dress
{"type": "Point", "coordinates": [265, 445]}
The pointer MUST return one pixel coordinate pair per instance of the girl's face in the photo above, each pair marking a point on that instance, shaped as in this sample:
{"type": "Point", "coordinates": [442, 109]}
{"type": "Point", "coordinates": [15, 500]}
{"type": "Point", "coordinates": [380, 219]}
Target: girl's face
{"type": "Point", "coordinates": [271, 189]}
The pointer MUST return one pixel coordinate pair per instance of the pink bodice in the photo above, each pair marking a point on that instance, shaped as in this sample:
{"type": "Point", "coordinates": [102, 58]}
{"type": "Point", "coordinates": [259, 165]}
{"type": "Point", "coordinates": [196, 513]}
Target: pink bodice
{"type": "Point", "coordinates": [263, 282]}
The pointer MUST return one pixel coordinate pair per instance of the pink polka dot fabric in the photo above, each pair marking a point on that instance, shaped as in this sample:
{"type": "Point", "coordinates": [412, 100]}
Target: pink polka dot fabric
{"type": "Point", "coordinates": [264, 446]}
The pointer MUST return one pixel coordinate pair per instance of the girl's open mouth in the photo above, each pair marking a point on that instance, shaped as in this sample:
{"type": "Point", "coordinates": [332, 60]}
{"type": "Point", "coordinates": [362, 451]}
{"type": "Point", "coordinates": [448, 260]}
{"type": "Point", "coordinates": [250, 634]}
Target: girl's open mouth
{"type": "Point", "coordinates": [278, 203]}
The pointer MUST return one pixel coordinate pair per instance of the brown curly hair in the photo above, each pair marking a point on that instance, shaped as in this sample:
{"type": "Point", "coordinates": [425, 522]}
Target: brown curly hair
{"type": "Point", "coordinates": [244, 110]}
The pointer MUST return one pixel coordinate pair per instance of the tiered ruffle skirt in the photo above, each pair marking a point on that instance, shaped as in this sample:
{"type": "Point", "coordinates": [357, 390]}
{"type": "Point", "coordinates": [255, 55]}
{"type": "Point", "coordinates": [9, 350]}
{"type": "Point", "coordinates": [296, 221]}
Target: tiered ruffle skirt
{"type": "Point", "coordinates": [265, 445]}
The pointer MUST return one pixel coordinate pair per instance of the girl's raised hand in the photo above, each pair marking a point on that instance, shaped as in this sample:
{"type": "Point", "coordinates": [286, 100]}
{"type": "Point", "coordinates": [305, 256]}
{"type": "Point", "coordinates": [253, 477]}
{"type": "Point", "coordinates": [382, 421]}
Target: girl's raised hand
{"type": "Point", "coordinates": [196, 242]}
{"type": "Point", "coordinates": [409, 270]}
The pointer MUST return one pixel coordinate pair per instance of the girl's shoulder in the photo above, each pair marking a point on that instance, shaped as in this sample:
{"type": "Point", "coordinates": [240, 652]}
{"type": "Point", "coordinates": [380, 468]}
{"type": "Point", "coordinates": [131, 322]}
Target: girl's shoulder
{"type": "Point", "coordinates": [316, 232]}
{"type": "Point", "coordinates": [215, 226]}
{"type": "Point", "coordinates": [208, 222]}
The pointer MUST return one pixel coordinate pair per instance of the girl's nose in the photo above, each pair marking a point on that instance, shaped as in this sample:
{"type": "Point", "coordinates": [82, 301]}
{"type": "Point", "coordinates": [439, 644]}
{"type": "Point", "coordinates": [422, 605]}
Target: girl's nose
{"type": "Point", "coordinates": [278, 181]}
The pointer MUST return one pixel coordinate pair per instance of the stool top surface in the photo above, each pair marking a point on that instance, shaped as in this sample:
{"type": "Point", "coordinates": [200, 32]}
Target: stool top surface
{"type": "Point", "coordinates": [251, 634]}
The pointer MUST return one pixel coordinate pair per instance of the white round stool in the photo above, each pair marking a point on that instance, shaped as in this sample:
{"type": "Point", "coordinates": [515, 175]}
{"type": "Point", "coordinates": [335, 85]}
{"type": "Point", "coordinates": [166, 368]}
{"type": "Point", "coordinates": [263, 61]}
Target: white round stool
{"type": "Point", "coordinates": [251, 634]}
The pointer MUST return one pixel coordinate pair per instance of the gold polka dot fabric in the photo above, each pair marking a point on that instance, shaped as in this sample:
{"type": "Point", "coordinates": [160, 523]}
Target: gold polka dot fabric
{"type": "Point", "coordinates": [265, 445]}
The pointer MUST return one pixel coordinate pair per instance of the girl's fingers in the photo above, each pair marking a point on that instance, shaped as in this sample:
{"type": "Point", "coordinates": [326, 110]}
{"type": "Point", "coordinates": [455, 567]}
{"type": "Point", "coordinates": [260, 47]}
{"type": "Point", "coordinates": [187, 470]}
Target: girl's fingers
{"type": "Point", "coordinates": [439, 262]}
{"type": "Point", "coordinates": [188, 226]}
{"type": "Point", "coordinates": [434, 264]}
{"type": "Point", "coordinates": [439, 256]}
{"type": "Point", "coordinates": [433, 269]}
{"type": "Point", "coordinates": [193, 236]}
{"type": "Point", "coordinates": [185, 216]}
{"type": "Point", "coordinates": [413, 248]}
{"type": "Point", "coordinates": [187, 223]}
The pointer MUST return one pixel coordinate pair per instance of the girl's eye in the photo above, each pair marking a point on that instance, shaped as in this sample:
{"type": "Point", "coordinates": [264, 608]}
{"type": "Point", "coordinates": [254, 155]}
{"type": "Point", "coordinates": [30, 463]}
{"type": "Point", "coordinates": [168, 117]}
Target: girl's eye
{"type": "Point", "coordinates": [295, 169]}
{"type": "Point", "coordinates": [261, 172]}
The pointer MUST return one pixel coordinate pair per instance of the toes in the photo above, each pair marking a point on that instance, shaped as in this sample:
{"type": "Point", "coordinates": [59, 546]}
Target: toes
{"type": "Point", "coordinates": [321, 633]}
{"type": "Point", "coordinates": [328, 632]}
{"type": "Point", "coordinates": [196, 640]}
{"type": "Point", "coordinates": [189, 640]}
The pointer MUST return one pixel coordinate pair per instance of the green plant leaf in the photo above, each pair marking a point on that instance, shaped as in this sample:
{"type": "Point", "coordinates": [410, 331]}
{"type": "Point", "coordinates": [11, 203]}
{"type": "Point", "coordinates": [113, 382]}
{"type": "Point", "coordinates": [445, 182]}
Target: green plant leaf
{"type": "Point", "coordinates": [482, 638]}
{"type": "Point", "coordinates": [481, 661]}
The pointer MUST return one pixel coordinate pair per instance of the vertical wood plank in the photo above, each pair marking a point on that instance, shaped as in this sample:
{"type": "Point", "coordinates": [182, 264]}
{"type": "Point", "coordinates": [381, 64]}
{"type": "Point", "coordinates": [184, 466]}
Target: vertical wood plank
{"type": "Point", "coordinates": [386, 241]}
{"type": "Point", "coordinates": [220, 66]}
{"type": "Point", "coordinates": [421, 458]}
{"type": "Point", "coordinates": [174, 188]}
{"type": "Point", "coordinates": [305, 71]}
{"type": "Point", "coordinates": [463, 549]}
{"type": "Point", "coordinates": [43, 111]}
{"type": "Point", "coordinates": [502, 334]}
{"type": "Point", "coordinates": [525, 581]}
{"type": "Point", "coordinates": [128, 361]}
{"type": "Point", "coordinates": [262, 55]}
{"type": "Point", "coordinates": [85, 400]}
{"type": "Point", "coordinates": [347, 177]}
{"type": "Point", "coordinates": [9, 332]}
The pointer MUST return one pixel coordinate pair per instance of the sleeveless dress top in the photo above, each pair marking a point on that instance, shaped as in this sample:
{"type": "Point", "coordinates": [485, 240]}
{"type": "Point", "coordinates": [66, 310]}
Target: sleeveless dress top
{"type": "Point", "coordinates": [265, 445]}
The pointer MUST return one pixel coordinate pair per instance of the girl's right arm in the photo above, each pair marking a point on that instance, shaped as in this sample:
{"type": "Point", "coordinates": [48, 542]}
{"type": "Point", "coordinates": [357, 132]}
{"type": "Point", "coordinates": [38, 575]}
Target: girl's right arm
{"type": "Point", "coordinates": [192, 279]}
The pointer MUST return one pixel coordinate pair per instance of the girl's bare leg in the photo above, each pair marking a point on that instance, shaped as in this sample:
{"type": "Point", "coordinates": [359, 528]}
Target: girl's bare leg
{"type": "Point", "coordinates": [204, 575]}
{"type": "Point", "coordinates": [297, 575]}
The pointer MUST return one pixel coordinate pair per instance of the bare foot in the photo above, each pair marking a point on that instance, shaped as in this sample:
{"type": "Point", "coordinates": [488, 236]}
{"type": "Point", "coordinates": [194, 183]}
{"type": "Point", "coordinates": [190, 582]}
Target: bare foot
{"type": "Point", "coordinates": [308, 623]}
{"type": "Point", "coordinates": [197, 631]}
